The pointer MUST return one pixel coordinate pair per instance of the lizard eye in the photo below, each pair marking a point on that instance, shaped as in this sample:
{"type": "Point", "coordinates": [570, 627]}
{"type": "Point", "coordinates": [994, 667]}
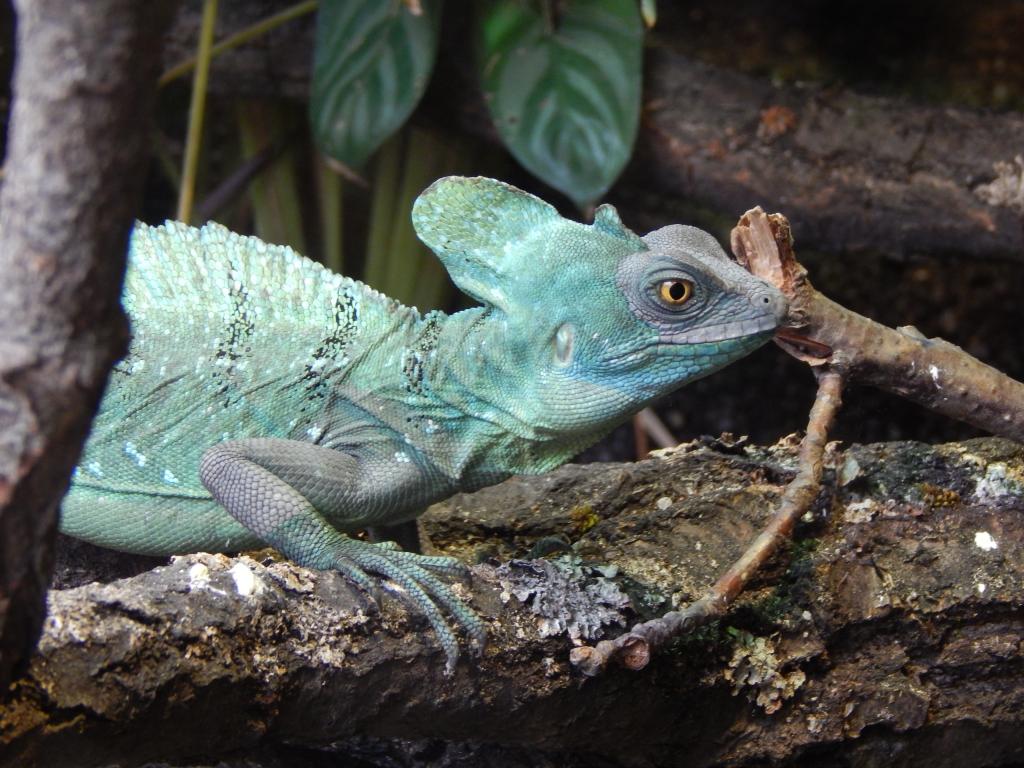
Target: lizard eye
{"type": "Point", "coordinates": [675, 293]}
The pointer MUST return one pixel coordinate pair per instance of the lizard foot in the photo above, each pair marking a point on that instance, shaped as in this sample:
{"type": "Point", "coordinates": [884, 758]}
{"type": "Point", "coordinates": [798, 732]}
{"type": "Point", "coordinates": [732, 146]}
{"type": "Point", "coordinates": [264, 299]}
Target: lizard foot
{"type": "Point", "coordinates": [447, 566]}
{"type": "Point", "coordinates": [415, 575]}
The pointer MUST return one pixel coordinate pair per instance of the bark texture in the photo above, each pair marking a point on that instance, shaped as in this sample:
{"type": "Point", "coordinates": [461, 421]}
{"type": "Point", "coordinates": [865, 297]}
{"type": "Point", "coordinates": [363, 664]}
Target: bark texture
{"type": "Point", "coordinates": [931, 372]}
{"type": "Point", "coordinates": [853, 172]}
{"type": "Point", "coordinates": [633, 649]}
{"type": "Point", "coordinates": [889, 634]}
{"type": "Point", "coordinates": [75, 164]}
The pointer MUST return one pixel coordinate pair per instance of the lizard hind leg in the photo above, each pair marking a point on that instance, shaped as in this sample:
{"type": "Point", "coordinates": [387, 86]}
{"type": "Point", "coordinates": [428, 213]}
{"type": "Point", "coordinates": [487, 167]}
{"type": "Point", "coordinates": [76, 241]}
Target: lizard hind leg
{"type": "Point", "coordinates": [295, 496]}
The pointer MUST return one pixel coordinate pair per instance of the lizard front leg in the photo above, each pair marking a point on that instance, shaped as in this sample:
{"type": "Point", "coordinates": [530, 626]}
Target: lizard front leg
{"type": "Point", "coordinates": [295, 496]}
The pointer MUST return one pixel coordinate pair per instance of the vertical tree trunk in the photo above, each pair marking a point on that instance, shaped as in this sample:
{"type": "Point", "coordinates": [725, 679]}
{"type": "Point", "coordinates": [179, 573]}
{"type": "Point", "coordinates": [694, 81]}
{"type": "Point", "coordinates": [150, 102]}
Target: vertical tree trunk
{"type": "Point", "coordinates": [83, 84]}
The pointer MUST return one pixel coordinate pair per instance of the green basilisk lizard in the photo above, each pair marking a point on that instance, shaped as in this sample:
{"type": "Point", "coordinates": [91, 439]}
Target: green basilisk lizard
{"type": "Point", "coordinates": [268, 401]}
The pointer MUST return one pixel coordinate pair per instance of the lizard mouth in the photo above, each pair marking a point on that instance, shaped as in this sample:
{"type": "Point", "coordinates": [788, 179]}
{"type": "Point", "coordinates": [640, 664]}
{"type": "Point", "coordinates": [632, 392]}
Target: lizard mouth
{"type": "Point", "coordinates": [736, 329]}
{"type": "Point", "coordinates": [792, 339]}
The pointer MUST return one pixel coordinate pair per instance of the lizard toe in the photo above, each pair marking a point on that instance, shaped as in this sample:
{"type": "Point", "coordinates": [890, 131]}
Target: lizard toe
{"type": "Point", "coordinates": [441, 564]}
{"type": "Point", "coordinates": [416, 576]}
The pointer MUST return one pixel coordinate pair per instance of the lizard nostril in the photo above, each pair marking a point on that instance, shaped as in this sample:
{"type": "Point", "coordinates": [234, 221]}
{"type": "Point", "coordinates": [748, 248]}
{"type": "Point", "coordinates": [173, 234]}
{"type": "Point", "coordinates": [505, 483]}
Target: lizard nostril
{"type": "Point", "coordinates": [769, 301]}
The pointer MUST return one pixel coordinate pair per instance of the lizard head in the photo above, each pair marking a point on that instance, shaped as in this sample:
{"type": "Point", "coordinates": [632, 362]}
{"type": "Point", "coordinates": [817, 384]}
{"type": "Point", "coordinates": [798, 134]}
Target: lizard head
{"type": "Point", "coordinates": [595, 310]}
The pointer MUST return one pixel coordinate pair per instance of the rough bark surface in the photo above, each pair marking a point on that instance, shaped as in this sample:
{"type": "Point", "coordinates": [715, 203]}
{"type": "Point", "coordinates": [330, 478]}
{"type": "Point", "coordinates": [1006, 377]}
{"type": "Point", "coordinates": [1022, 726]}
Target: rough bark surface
{"type": "Point", "coordinates": [889, 634]}
{"type": "Point", "coordinates": [853, 172]}
{"type": "Point", "coordinates": [933, 373]}
{"type": "Point", "coordinates": [75, 166]}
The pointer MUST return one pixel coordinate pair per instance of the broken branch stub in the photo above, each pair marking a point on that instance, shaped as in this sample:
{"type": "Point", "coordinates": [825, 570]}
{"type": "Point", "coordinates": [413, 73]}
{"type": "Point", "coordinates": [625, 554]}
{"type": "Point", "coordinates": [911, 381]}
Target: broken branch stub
{"type": "Point", "coordinates": [931, 372]}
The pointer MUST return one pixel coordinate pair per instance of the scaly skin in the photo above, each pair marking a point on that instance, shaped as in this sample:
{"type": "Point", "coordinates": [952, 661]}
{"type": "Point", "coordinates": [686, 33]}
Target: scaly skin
{"type": "Point", "coordinates": [265, 400]}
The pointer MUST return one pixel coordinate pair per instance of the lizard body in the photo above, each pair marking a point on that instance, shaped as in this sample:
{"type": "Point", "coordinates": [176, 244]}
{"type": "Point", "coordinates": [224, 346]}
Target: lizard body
{"type": "Point", "coordinates": [266, 400]}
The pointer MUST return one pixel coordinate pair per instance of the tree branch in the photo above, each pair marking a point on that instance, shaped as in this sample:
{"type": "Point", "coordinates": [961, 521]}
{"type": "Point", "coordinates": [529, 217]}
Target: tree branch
{"type": "Point", "coordinates": [931, 372]}
{"type": "Point", "coordinates": [75, 165]}
{"type": "Point", "coordinates": [854, 172]}
{"type": "Point", "coordinates": [634, 648]}
{"type": "Point", "coordinates": [840, 344]}
{"type": "Point", "coordinates": [887, 625]}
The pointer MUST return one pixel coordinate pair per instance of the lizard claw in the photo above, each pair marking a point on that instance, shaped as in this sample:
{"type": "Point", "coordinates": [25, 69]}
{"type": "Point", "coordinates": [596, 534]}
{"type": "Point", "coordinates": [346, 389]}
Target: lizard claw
{"type": "Point", "coordinates": [415, 575]}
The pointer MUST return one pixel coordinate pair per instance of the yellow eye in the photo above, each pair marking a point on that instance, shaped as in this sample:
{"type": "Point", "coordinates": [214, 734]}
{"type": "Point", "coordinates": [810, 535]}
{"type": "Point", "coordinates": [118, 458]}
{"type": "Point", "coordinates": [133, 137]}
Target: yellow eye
{"type": "Point", "coordinates": [676, 292]}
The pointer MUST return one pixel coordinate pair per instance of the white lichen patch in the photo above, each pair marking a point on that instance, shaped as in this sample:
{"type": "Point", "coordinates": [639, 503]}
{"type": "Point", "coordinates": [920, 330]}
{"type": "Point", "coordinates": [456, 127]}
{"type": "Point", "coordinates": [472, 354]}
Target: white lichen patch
{"type": "Point", "coordinates": [755, 667]}
{"type": "Point", "coordinates": [198, 576]}
{"type": "Point", "coordinates": [861, 511]}
{"type": "Point", "coordinates": [565, 596]}
{"type": "Point", "coordinates": [650, 570]}
{"type": "Point", "coordinates": [663, 503]}
{"type": "Point", "coordinates": [999, 481]}
{"type": "Point", "coordinates": [983, 540]}
{"type": "Point", "coordinates": [292, 577]}
{"type": "Point", "coordinates": [1007, 189]}
{"type": "Point", "coordinates": [815, 723]}
{"type": "Point", "coordinates": [331, 655]}
{"type": "Point", "coordinates": [848, 471]}
{"type": "Point", "coordinates": [664, 453]}
{"type": "Point", "coordinates": [246, 583]}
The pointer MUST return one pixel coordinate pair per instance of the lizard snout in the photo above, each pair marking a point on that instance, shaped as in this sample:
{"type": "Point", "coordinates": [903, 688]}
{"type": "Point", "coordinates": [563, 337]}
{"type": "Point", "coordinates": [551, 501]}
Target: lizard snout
{"type": "Point", "coordinates": [769, 300]}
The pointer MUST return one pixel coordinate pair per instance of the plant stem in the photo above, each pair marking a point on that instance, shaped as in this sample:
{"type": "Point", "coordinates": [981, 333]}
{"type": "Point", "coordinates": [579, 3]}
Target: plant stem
{"type": "Point", "coordinates": [195, 112]}
{"type": "Point", "coordinates": [406, 253]}
{"type": "Point", "coordinates": [386, 173]}
{"type": "Point", "coordinates": [329, 184]}
{"type": "Point", "coordinates": [274, 193]}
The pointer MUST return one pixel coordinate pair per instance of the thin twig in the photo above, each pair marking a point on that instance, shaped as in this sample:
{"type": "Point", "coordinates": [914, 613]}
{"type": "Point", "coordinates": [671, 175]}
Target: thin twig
{"type": "Point", "coordinates": [647, 426]}
{"type": "Point", "coordinates": [230, 188]}
{"type": "Point", "coordinates": [641, 442]}
{"type": "Point", "coordinates": [843, 347]}
{"type": "Point", "coordinates": [634, 648]}
{"type": "Point", "coordinates": [241, 37]}
{"type": "Point", "coordinates": [656, 429]}
{"type": "Point", "coordinates": [931, 372]}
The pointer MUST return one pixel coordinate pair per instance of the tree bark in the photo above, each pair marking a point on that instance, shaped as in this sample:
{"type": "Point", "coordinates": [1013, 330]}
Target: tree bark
{"type": "Point", "coordinates": [76, 160]}
{"type": "Point", "coordinates": [889, 634]}
{"type": "Point", "coordinates": [853, 172]}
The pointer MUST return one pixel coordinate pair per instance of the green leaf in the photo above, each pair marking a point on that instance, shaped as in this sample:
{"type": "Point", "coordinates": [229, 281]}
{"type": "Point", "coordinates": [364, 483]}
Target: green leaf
{"type": "Point", "coordinates": [565, 93]}
{"type": "Point", "coordinates": [371, 64]}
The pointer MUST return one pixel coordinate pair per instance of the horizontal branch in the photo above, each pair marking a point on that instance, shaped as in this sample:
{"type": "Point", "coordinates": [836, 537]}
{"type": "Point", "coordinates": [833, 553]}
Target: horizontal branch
{"type": "Point", "coordinates": [633, 649]}
{"type": "Point", "coordinates": [899, 613]}
{"type": "Point", "coordinates": [853, 172]}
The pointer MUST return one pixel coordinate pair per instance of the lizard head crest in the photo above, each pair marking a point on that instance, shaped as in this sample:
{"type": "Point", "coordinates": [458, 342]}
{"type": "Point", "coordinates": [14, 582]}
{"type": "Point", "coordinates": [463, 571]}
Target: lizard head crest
{"type": "Point", "coordinates": [494, 238]}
